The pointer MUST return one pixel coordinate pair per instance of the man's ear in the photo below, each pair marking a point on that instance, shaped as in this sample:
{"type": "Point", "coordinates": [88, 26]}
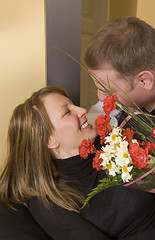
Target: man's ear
{"type": "Point", "coordinates": [52, 143]}
{"type": "Point", "coordinates": [146, 79]}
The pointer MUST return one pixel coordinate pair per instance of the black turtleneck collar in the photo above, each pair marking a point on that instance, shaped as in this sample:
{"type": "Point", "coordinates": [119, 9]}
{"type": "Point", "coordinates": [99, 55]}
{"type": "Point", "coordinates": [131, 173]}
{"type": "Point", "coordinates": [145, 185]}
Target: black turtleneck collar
{"type": "Point", "coordinates": [79, 172]}
{"type": "Point", "coordinates": [75, 167]}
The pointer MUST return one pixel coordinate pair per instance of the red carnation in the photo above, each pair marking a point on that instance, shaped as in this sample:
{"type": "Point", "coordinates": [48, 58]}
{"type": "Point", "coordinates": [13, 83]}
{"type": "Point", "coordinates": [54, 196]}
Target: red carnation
{"type": "Point", "coordinates": [128, 133]}
{"type": "Point", "coordinates": [110, 103]}
{"type": "Point", "coordinates": [102, 124]}
{"type": "Point", "coordinates": [150, 147]}
{"type": "Point", "coordinates": [139, 155]}
{"type": "Point", "coordinates": [133, 147]}
{"type": "Point", "coordinates": [86, 147]}
{"type": "Point", "coordinates": [97, 160]}
{"type": "Point", "coordinates": [153, 132]}
{"type": "Point", "coordinates": [102, 137]}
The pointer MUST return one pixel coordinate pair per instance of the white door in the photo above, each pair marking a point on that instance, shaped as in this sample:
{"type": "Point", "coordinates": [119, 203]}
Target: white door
{"type": "Point", "coordinates": [94, 15]}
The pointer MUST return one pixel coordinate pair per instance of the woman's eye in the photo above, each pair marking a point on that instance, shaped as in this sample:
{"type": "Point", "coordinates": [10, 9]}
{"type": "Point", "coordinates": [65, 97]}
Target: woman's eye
{"type": "Point", "coordinates": [67, 112]}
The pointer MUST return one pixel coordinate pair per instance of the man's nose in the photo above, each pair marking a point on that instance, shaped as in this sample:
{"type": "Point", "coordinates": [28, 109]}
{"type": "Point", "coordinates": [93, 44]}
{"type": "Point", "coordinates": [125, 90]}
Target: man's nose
{"type": "Point", "coordinates": [101, 96]}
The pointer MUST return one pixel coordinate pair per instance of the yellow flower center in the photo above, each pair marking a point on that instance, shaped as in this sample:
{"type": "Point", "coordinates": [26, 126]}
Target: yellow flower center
{"type": "Point", "coordinates": [113, 137]}
{"type": "Point", "coordinates": [124, 169]}
{"type": "Point", "coordinates": [118, 145]}
{"type": "Point", "coordinates": [125, 155]}
{"type": "Point", "coordinates": [109, 166]}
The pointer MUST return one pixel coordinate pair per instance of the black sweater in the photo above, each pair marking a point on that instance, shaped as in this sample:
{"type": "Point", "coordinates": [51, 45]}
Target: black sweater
{"type": "Point", "coordinates": [116, 213]}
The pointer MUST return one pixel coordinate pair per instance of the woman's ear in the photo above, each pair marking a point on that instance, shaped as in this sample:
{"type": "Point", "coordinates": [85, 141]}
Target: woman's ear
{"type": "Point", "coordinates": [52, 143]}
{"type": "Point", "coordinates": [146, 79]}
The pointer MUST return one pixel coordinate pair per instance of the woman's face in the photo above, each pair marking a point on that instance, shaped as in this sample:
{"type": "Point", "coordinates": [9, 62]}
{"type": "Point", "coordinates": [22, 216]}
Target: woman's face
{"type": "Point", "coordinates": [69, 122]}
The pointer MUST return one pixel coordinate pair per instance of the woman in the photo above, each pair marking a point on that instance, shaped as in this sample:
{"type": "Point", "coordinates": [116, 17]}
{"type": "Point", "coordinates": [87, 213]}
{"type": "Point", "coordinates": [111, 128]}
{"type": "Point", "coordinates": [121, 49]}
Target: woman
{"type": "Point", "coordinates": [44, 170]}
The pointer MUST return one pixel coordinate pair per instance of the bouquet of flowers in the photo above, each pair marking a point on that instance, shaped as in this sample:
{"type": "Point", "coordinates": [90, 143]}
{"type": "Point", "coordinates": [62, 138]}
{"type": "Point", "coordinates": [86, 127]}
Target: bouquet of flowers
{"type": "Point", "coordinates": [126, 160]}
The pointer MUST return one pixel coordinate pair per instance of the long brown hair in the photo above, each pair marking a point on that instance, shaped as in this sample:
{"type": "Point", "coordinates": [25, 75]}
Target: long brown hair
{"type": "Point", "coordinates": [30, 166]}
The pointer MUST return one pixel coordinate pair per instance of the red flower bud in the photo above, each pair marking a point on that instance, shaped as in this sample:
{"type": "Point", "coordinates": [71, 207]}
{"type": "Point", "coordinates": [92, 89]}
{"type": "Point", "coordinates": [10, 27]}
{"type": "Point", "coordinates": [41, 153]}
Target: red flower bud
{"type": "Point", "coordinates": [150, 147]}
{"type": "Point", "coordinates": [97, 160]}
{"type": "Point", "coordinates": [102, 124]}
{"type": "Point", "coordinates": [153, 132]}
{"type": "Point", "coordinates": [128, 133]}
{"type": "Point", "coordinates": [109, 103]}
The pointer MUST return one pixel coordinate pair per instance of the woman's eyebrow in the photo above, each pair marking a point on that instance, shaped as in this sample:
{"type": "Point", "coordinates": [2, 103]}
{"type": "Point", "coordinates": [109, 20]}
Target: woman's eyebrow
{"type": "Point", "coordinates": [62, 107]}
{"type": "Point", "coordinates": [65, 105]}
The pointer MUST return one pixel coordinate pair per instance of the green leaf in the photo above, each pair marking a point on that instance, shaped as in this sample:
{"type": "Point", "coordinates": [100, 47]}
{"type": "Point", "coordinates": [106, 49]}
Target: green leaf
{"type": "Point", "coordinates": [105, 183]}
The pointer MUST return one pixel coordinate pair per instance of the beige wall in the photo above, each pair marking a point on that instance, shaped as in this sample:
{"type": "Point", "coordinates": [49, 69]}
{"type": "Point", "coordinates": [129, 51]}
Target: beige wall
{"type": "Point", "coordinates": [143, 9]}
{"type": "Point", "coordinates": [121, 8]}
{"type": "Point", "coordinates": [146, 11]}
{"type": "Point", "coordinates": [22, 56]}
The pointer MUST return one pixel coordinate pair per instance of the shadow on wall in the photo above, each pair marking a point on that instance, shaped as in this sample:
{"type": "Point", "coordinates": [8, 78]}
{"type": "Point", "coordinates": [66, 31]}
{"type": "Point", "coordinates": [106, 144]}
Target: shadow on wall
{"type": "Point", "coordinates": [63, 30]}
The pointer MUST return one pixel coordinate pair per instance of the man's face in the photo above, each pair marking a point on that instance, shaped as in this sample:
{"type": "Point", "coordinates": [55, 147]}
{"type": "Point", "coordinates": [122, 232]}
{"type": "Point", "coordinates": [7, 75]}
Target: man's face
{"type": "Point", "coordinates": [109, 78]}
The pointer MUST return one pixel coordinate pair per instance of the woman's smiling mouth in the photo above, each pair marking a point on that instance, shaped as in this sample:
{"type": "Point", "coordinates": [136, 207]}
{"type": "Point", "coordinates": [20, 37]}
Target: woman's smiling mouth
{"type": "Point", "coordinates": [84, 125]}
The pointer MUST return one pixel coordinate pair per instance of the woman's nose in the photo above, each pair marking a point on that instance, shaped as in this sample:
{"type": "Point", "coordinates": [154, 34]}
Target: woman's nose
{"type": "Point", "coordinates": [81, 111]}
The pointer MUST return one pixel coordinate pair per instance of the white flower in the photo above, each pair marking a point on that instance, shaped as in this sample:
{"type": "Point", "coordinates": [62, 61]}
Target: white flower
{"type": "Point", "coordinates": [113, 169]}
{"type": "Point", "coordinates": [124, 144]}
{"type": "Point", "coordinates": [126, 176]}
{"type": "Point", "coordinates": [135, 141]}
{"type": "Point", "coordinates": [115, 157]}
{"type": "Point", "coordinates": [123, 157]}
{"type": "Point", "coordinates": [114, 137]}
{"type": "Point", "coordinates": [109, 149]}
{"type": "Point", "coordinates": [105, 160]}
